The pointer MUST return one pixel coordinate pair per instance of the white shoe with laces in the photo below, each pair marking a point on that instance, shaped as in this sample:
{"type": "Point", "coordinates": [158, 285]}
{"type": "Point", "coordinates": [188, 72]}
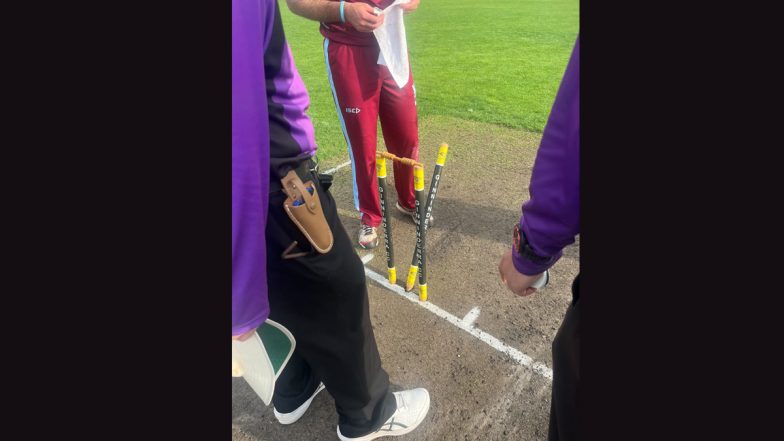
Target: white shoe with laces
{"type": "Point", "coordinates": [412, 407]}
{"type": "Point", "coordinates": [296, 414]}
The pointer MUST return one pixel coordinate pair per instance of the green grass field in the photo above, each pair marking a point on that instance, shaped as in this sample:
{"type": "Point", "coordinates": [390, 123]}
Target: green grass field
{"type": "Point", "coordinates": [496, 62]}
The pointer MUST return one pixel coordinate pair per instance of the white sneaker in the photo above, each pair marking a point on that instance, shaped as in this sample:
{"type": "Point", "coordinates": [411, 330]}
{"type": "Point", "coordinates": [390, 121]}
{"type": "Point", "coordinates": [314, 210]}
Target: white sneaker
{"type": "Point", "coordinates": [368, 237]}
{"type": "Point", "coordinates": [293, 416]}
{"type": "Point", "coordinates": [412, 407]}
{"type": "Point", "coordinates": [412, 213]}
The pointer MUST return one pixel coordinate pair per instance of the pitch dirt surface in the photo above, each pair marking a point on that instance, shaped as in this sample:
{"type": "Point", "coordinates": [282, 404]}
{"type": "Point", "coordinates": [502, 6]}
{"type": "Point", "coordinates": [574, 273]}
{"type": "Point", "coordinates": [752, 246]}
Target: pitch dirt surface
{"type": "Point", "coordinates": [478, 392]}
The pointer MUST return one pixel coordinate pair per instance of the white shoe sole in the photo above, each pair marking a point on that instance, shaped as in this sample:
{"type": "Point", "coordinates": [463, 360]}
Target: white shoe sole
{"type": "Point", "coordinates": [296, 414]}
{"type": "Point", "coordinates": [374, 435]}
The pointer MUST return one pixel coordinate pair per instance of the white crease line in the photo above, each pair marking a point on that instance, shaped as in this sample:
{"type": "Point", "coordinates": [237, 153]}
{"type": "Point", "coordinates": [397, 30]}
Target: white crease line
{"type": "Point", "coordinates": [471, 316]}
{"type": "Point", "coordinates": [367, 258]}
{"type": "Point", "coordinates": [495, 343]}
{"type": "Point", "coordinates": [334, 169]}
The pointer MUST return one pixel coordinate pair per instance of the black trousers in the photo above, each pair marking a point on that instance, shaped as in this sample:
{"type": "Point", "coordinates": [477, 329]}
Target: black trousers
{"type": "Point", "coordinates": [566, 372]}
{"type": "Point", "coordinates": [322, 299]}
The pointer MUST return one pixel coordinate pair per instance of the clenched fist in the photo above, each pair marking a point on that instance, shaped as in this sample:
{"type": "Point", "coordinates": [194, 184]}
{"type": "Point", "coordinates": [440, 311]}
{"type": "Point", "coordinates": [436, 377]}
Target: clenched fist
{"type": "Point", "coordinates": [361, 16]}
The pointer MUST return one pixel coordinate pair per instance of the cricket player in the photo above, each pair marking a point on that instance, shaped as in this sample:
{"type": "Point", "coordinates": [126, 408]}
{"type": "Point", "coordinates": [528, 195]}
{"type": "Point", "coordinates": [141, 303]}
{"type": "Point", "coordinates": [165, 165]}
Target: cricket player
{"type": "Point", "coordinates": [365, 92]}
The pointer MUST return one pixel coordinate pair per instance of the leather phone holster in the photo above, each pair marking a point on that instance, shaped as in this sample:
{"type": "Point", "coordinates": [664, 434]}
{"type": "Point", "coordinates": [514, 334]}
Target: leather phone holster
{"type": "Point", "coordinates": [306, 212]}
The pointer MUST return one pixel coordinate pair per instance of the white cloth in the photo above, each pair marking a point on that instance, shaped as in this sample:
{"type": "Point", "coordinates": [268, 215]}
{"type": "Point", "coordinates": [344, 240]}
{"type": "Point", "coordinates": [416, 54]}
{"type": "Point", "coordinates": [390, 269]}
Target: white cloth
{"type": "Point", "coordinates": [391, 37]}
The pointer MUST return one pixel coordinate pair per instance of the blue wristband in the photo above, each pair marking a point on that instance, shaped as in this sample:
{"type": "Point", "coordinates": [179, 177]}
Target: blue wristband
{"type": "Point", "coordinates": [342, 18]}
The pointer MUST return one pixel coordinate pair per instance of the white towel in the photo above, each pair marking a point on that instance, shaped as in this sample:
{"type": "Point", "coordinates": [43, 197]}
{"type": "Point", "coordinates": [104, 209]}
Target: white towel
{"type": "Point", "coordinates": [391, 37]}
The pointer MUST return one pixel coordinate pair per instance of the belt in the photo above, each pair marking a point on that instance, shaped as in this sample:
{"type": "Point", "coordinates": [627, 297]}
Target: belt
{"type": "Point", "coordinates": [304, 170]}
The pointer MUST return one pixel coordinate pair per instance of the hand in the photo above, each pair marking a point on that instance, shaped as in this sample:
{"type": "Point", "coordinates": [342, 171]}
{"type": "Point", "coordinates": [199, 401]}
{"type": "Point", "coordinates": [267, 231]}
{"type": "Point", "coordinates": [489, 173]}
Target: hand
{"type": "Point", "coordinates": [410, 6]}
{"type": "Point", "coordinates": [516, 281]}
{"type": "Point", "coordinates": [361, 16]}
{"type": "Point", "coordinates": [244, 336]}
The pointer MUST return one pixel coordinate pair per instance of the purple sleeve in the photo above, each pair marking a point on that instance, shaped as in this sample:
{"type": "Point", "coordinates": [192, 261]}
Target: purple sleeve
{"type": "Point", "coordinates": [291, 99]}
{"type": "Point", "coordinates": [291, 131]}
{"type": "Point", "coordinates": [250, 158]}
{"type": "Point", "coordinates": [551, 217]}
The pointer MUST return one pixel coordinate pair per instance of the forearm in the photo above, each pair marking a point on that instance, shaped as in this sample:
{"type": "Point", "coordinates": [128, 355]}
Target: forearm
{"type": "Point", "coordinates": [319, 10]}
